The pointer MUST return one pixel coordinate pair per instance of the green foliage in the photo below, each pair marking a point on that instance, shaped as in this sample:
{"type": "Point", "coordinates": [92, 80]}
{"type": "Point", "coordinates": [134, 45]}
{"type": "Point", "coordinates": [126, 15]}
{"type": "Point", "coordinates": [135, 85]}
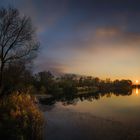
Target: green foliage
{"type": "Point", "coordinates": [20, 118]}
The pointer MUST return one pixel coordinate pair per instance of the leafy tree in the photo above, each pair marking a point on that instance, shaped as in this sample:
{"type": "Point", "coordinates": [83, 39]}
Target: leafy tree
{"type": "Point", "coordinates": [45, 79]}
{"type": "Point", "coordinates": [68, 83]}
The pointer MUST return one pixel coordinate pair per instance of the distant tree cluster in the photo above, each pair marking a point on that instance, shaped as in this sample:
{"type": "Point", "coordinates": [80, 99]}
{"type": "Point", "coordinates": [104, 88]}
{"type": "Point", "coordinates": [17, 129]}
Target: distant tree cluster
{"type": "Point", "coordinates": [18, 77]}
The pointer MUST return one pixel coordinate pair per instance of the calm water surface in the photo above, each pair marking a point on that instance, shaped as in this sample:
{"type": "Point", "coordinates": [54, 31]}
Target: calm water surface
{"type": "Point", "coordinates": [111, 115]}
{"type": "Point", "coordinates": [124, 108]}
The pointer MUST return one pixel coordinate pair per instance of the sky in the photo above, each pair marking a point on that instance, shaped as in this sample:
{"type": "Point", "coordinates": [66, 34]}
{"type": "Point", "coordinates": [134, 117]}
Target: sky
{"type": "Point", "coordinates": [86, 37]}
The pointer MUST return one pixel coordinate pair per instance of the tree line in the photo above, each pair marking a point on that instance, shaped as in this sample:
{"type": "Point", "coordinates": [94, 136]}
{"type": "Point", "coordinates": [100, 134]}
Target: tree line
{"type": "Point", "coordinates": [19, 77]}
{"type": "Point", "coordinates": [18, 47]}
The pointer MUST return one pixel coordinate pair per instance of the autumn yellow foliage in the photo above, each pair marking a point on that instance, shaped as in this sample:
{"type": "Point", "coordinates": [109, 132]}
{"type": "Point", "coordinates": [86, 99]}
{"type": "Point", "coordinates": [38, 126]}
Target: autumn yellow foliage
{"type": "Point", "coordinates": [20, 118]}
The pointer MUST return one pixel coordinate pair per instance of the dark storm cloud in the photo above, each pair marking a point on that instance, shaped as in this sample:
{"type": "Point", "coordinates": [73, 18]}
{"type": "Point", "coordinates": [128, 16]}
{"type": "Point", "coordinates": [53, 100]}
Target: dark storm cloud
{"type": "Point", "coordinates": [70, 30]}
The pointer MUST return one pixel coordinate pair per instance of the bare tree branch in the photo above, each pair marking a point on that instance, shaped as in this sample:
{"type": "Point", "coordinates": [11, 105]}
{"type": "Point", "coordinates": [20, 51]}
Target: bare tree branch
{"type": "Point", "coordinates": [17, 38]}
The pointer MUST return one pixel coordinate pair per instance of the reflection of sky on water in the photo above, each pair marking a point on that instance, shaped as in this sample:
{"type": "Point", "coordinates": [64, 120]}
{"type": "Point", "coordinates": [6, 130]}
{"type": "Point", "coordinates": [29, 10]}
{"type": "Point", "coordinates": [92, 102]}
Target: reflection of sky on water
{"type": "Point", "coordinates": [119, 108]}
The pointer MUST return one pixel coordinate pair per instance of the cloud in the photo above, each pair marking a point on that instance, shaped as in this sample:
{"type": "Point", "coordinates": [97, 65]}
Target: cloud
{"type": "Point", "coordinates": [108, 32]}
{"type": "Point", "coordinates": [86, 36]}
{"type": "Point", "coordinates": [45, 63]}
{"type": "Point", "coordinates": [116, 38]}
{"type": "Point", "coordinates": [109, 54]}
{"type": "Point", "coordinates": [44, 13]}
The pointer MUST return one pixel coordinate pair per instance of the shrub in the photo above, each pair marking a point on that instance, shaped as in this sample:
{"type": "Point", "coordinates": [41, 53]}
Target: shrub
{"type": "Point", "coordinates": [20, 118]}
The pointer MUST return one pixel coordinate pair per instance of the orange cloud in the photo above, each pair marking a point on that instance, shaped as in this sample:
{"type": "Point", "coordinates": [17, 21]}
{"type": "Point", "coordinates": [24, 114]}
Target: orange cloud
{"type": "Point", "coordinates": [108, 32]}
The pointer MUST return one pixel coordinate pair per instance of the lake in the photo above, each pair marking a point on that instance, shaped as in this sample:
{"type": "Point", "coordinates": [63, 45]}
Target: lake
{"type": "Point", "coordinates": [111, 116]}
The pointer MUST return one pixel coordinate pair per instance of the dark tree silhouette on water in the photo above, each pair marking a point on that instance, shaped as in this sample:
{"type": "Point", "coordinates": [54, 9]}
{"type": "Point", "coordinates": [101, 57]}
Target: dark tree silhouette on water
{"type": "Point", "coordinates": [17, 38]}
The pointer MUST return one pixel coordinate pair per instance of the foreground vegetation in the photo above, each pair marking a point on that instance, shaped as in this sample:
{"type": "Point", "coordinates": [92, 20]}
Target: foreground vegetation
{"type": "Point", "coordinates": [20, 118]}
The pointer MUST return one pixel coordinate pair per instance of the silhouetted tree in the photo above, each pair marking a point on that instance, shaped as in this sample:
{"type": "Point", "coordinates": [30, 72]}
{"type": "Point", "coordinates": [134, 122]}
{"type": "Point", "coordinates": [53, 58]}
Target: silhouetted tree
{"type": "Point", "coordinates": [45, 80]}
{"type": "Point", "coordinates": [68, 84]}
{"type": "Point", "coordinates": [17, 38]}
{"type": "Point", "coordinates": [16, 77]}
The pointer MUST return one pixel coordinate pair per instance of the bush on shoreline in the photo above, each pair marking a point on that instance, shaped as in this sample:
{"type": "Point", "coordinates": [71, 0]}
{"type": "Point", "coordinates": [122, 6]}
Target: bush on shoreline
{"type": "Point", "coordinates": [20, 118]}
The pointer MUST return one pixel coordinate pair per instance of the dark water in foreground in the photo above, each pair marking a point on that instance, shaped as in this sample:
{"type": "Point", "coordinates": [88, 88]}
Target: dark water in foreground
{"type": "Point", "coordinates": [111, 117]}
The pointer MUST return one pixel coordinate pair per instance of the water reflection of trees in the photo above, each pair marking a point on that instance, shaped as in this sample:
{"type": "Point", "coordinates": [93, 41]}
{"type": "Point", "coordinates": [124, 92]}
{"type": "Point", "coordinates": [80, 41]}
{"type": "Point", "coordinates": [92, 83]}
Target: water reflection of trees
{"type": "Point", "coordinates": [69, 89]}
{"type": "Point", "coordinates": [74, 98]}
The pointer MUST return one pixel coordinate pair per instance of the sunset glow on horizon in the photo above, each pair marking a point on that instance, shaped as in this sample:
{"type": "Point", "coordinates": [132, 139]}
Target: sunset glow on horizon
{"type": "Point", "coordinates": [137, 81]}
{"type": "Point", "coordinates": [86, 37]}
